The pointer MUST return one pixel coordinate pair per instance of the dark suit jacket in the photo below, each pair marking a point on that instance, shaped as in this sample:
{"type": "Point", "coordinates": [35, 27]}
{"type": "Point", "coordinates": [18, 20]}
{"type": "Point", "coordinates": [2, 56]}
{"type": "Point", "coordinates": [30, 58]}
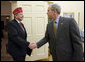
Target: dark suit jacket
{"type": "Point", "coordinates": [17, 43]}
{"type": "Point", "coordinates": [67, 45]}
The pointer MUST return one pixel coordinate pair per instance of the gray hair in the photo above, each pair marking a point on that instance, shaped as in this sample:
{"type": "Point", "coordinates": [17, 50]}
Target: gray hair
{"type": "Point", "coordinates": [56, 7]}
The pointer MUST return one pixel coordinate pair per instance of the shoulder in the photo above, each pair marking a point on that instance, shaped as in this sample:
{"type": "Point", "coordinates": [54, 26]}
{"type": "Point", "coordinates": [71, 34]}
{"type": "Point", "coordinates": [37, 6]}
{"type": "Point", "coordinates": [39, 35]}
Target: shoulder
{"type": "Point", "coordinates": [11, 23]}
{"type": "Point", "coordinates": [71, 21]}
{"type": "Point", "coordinates": [67, 19]}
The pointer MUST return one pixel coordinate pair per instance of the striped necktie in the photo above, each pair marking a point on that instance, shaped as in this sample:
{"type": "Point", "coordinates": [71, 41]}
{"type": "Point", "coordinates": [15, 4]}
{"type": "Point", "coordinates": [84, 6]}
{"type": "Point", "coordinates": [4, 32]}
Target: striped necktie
{"type": "Point", "coordinates": [54, 27]}
{"type": "Point", "coordinates": [21, 26]}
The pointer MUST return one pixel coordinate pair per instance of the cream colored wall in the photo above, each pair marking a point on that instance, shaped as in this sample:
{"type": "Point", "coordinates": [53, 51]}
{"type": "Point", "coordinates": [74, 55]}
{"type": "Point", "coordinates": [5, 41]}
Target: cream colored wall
{"type": "Point", "coordinates": [76, 7]}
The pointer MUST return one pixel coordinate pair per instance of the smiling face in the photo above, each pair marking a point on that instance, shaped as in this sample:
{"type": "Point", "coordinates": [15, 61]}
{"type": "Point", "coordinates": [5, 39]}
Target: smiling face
{"type": "Point", "coordinates": [19, 16]}
{"type": "Point", "coordinates": [52, 14]}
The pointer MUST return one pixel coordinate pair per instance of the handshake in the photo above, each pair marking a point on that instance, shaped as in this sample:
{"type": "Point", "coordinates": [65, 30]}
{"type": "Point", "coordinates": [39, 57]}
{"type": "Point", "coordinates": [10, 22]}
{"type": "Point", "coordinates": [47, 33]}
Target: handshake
{"type": "Point", "coordinates": [32, 45]}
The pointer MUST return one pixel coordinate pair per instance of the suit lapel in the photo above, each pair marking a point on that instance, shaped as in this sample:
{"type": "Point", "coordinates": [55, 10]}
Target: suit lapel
{"type": "Point", "coordinates": [16, 23]}
{"type": "Point", "coordinates": [19, 25]}
{"type": "Point", "coordinates": [24, 29]}
{"type": "Point", "coordinates": [60, 25]}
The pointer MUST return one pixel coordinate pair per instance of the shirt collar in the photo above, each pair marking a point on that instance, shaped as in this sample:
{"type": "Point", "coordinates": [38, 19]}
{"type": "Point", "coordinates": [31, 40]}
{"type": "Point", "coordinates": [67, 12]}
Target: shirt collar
{"type": "Point", "coordinates": [17, 21]}
{"type": "Point", "coordinates": [57, 19]}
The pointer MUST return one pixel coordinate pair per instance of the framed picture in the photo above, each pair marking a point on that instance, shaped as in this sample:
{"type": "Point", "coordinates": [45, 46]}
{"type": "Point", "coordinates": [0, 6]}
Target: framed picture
{"type": "Point", "coordinates": [68, 14]}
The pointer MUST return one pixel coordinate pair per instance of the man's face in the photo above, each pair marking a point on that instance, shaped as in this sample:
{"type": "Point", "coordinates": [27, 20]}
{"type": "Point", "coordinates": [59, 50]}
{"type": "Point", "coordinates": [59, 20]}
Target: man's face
{"type": "Point", "coordinates": [19, 16]}
{"type": "Point", "coordinates": [50, 13]}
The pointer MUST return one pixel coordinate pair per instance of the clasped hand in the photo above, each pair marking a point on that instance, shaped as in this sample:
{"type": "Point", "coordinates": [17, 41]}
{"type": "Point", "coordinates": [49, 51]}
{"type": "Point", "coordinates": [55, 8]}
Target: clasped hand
{"type": "Point", "coordinates": [32, 45]}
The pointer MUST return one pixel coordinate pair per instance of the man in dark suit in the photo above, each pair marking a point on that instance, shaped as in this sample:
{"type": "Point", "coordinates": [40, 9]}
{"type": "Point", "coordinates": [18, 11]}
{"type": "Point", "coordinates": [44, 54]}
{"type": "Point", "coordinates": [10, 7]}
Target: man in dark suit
{"type": "Point", "coordinates": [63, 37]}
{"type": "Point", "coordinates": [17, 45]}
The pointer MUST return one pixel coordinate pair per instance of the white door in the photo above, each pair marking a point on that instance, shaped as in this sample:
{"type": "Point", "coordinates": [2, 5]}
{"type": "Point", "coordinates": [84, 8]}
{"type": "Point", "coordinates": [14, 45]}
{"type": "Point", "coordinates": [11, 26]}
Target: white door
{"type": "Point", "coordinates": [35, 21]}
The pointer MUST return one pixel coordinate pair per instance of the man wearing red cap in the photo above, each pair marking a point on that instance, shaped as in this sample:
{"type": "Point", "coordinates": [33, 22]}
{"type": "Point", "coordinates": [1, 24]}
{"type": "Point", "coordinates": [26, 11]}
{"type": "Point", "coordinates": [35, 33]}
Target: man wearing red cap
{"type": "Point", "coordinates": [17, 45]}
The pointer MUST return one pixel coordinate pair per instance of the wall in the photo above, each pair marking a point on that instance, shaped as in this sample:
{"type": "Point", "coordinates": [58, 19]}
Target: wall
{"type": "Point", "coordinates": [6, 8]}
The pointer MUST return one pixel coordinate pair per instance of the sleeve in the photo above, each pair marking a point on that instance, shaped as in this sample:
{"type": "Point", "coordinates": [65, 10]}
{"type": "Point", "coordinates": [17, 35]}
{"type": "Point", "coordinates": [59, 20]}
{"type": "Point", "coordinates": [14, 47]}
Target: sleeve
{"type": "Point", "coordinates": [44, 40]}
{"type": "Point", "coordinates": [14, 37]}
{"type": "Point", "coordinates": [76, 40]}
